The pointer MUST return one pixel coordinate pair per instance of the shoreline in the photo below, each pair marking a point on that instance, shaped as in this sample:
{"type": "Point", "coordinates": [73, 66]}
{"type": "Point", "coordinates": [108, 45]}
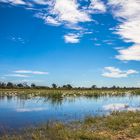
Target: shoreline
{"type": "Point", "coordinates": [118, 125]}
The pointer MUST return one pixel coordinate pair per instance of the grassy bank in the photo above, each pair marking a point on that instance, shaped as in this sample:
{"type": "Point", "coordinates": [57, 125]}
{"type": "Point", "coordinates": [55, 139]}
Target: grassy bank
{"type": "Point", "coordinates": [117, 126]}
{"type": "Point", "coordinates": [64, 92]}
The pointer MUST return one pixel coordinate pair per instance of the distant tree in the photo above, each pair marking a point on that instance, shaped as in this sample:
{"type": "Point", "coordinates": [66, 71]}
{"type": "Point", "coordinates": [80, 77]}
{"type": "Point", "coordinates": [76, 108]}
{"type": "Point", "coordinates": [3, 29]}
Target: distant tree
{"type": "Point", "coordinates": [2, 85]}
{"type": "Point", "coordinates": [25, 85]}
{"type": "Point", "coordinates": [33, 85]}
{"type": "Point", "coordinates": [124, 87]}
{"type": "Point", "coordinates": [118, 87]}
{"type": "Point", "coordinates": [54, 85]}
{"type": "Point", "coordinates": [10, 85]}
{"type": "Point", "coordinates": [114, 87]}
{"type": "Point", "coordinates": [104, 87]}
{"type": "Point", "coordinates": [93, 86]}
{"type": "Point", "coordinates": [68, 86]}
{"type": "Point", "coordinates": [20, 85]}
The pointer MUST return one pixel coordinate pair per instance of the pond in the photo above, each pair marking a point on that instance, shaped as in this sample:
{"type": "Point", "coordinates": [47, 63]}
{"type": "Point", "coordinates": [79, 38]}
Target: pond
{"type": "Point", "coordinates": [16, 112]}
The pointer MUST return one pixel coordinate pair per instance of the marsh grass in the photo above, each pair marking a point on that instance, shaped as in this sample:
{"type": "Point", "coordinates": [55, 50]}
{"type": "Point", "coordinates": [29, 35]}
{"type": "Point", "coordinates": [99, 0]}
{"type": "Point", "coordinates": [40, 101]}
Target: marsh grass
{"type": "Point", "coordinates": [117, 126]}
{"type": "Point", "coordinates": [60, 93]}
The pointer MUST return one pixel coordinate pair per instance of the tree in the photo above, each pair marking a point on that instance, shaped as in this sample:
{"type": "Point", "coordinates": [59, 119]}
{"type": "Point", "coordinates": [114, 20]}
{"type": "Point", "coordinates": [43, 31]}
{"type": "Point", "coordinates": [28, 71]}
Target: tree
{"type": "Point", "coordinates": [25, 85]}
{"type": "Point", "coordinates": [68, 86]}
{"type": "Point", "coordinates": [54, 85]}
{"type": "Point", "coordinates": [20, 85]}
{"type": "Point", "coordinates": [33, 85]}
{"type": "Point", "coordinates": [10, 85]}
{"type": "Point", "coordinates": [93, 86]}
{"type": "Point", "coordinates": [104, 87]}
{"type": "Point", "coordinates": [114, 87]}
{"type": "Point", "coordinates": [2, 85]}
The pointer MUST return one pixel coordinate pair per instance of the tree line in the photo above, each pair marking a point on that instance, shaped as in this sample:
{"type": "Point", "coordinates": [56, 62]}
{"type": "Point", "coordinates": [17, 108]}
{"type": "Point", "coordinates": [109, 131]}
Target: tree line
{"type": "Point", "coordinates": [33, 85]}
{"type": "Point", "coordinates": [10, 85]}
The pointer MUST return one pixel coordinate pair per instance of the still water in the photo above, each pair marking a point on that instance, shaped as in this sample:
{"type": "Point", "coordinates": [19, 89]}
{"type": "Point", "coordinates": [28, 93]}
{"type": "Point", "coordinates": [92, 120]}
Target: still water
{"type": "Point", "coordinates": [18, 112]}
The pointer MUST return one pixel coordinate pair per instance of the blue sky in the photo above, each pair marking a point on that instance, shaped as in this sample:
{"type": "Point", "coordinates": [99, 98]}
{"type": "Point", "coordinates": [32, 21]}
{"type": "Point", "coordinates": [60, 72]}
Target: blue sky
{"type": "Point", "coordinates": [81, 42]}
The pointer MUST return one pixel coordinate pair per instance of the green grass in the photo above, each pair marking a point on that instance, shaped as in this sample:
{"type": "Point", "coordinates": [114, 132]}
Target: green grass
{"type": "Point", "coordinates": [118, 125]}
{"type": "Point", "coordinates": [63, 92]}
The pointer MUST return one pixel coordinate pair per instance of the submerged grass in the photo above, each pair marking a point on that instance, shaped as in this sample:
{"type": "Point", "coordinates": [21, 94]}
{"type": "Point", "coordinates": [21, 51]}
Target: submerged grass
{"type": "Point", "coordinates": [117, 126]}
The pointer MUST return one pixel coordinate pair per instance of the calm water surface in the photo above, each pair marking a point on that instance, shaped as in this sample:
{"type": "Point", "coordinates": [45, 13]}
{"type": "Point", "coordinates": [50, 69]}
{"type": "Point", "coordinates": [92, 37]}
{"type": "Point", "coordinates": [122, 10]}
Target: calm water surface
{"type": "Point", "coordinates": [17, 113]}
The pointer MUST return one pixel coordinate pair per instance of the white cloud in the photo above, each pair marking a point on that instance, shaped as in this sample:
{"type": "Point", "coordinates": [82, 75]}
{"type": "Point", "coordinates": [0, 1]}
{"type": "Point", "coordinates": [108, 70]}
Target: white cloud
{"type": "Point", "coordinates": [127, 9]}
{"type": "Point", "coordinates": [131, 53]}
{"type": "Point", "coordinates": [31, 72]}
{"type": "Point", "coordinates": [18, 2]}
{"type": "Point", "coordinates": [112, 72]}
{"type": "Point", "coordinates": [41, 2]}
{"type": "Point", "coordinates": [48, 19]}
{"type": "Point", "coordinates": [16, 75]}
{"type": "Point", "coordinates": [64, 12]}
{"type": "Point", "coordinates": [68, 10]}
{"type": "Point", "coordinates": [129, 31]}
{"type": "Point", "coordinates": [71, 38]}
{"type": "Point", "coordinates": [128, 13]}
{"type": "Point", "coordinates": [15, 2]}
{"type": "Point", "coordinates": [51, 20]}
{"type": "Point", "coordinates": [97, 6]}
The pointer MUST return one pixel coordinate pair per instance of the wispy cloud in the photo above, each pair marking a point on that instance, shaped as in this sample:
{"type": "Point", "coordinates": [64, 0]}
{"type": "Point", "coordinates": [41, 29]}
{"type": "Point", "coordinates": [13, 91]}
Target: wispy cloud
{"type": "Point", "coordinates": [15, 2]}
{"type": "Point", "coordinates": [16, 75]}
{"type": "Point", "coordinates": [97, 6]}
{"type": "Point", "coordinates": [17, 39]}
{"type": "Point", "coordinates": [112, 72]}
{"type": "Point", "coordinates": [127, 12]}
{"type": "Point", "coordinates": [31, 72]}
{"type": "Point", "coordinates": [41, 2]}
{"type": "Point", "coordinates": [48, 19]}
{"type": "Point", "coordinates": [25, 73]}
{"type": "Point", "coordinates": [72, 38]}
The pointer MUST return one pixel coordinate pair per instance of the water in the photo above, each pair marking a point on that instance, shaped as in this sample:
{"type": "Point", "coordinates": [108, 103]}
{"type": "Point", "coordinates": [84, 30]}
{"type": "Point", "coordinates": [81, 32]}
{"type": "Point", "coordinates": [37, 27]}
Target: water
{"type": "Point", "coordinates": [17, 113]}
